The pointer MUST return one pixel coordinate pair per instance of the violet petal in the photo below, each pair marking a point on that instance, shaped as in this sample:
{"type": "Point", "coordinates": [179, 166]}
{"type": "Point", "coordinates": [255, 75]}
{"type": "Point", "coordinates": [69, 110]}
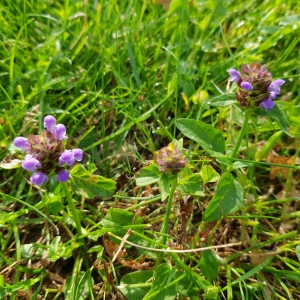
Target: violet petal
{"type": "Point", "coordinates": [63, 176]}
{"type": "Point", "coordinates": [38, 178]}
{"type": "Point", "coordinates": [49, 123]}
{"type": "Point", "coordinates": [234, 75]}
{"type": "Point", "coordinates": [21, 142]}
{"type": "Point", "coordinates": [60, 132]}
{"type": "Point", "coordinates": [267, 104]}
{"type": "Point", "coordinates": [77, 154]}
{"type": "Point", "coordinates": [247, 86]}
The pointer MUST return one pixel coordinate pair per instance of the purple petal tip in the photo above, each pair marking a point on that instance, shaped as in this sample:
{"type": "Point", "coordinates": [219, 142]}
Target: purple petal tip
{"type": "Point", "coordinates": [247, 86]}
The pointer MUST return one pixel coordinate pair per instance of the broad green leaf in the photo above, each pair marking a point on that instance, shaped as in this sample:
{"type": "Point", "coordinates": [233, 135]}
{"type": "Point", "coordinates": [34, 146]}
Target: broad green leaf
{"type": "Point", "coordinates": [134, 285]}
{"type": "Point", "coordinates": [54, 205]}
{"type": "Point", "coordinates": [188, 287]}
{"type": "Point", "coordinates": [191, 184]}
{"type": "Point", "coordinates": [116, 218]}
{"type": "Point", "coordinates": [54, 251]}
{"type": "Point", "coordinates": [181, 8]}
{"type": "Point", "coordinates": [278, 114]}
{"type": "Point", "coordinates": [209, 174]}
{"type": "Point", "coordinates": [90, 185]}
{"type": "Point", "coordinates": [147, 175]}
{"type": "Point", "coordinates": [209, 138]}
{"type": "Point", "coordinates": [227, 198]}
{"type": "Point", "coordinates": [84, 285]}
{"type": "Point", "coordinates": [119, 221]}
{"type": "Point", "coordinates": [211, 293]}
{"type": "Point", "coordinates": [209, 265]}
{"type": "Point", "coordinates": [164, 185]}
{"type": "Point", "coordinates": [222, 100]}
{"type": "Point", "coordinates": [164, 284]}
{"type": "Point", "coordinates": [59, 250]}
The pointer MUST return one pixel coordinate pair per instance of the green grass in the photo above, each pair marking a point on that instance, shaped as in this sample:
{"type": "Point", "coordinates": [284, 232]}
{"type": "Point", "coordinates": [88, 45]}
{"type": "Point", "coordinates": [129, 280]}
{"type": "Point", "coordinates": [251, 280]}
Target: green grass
{"type": "Point", "coordinates": [116, 73]}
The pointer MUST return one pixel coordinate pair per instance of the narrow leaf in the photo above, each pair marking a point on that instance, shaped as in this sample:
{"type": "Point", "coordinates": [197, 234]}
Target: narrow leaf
{"type": "Point", "coordinates": [222, 100]}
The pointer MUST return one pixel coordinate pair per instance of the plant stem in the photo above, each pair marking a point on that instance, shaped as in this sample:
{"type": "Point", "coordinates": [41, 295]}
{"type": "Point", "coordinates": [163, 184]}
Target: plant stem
{"type": "Point", "coordinates": [72, 207]}
{"type": "Point", "coordinates": [76, 219]}
{"type": "Point", "coordinates": [242, 134]}
{"type": "Point", "coordinates": [165, 224]}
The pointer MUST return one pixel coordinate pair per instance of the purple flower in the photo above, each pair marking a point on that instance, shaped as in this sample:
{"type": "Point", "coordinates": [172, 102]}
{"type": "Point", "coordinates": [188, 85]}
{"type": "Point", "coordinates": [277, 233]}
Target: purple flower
{"type": "Point", "coordinates": [21, 142]}
{"type": "Point", "coordinates": [234, 75]}
{"type": "Point", "coordinates": [60, 132]}
{"type": "Point", "coordinates": [77, 154]}
{"type": "Point", "coordinates": [268, 104]}
{"type": "Point", "coordinates": [38, 178]}
{"type": "Point", "coordinates": [275, 86]}
{"type": "Point", "coordinates": [49, 123]}
{"type": "Point", "coordinates": [69, 156]}
{"type": "Point", "coordinates": [247, 86]}
{"type": "Point", "coordinates": [46, 152]}
{"type": "Point", "coordinates": [30, 163]}
{"type": "Point", "coordinates": [63, 176]}
{"type": "Point", "coordinates": [255, 87]}
{"type": "Point", "coordinates": [66, 157]}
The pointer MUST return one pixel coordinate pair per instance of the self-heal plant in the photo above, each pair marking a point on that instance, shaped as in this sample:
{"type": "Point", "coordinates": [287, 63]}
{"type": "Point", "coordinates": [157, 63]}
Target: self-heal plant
{"type": "Point", "coordinates": [255, 86]}
{"type": "Point", "coordinates": [46, 153]}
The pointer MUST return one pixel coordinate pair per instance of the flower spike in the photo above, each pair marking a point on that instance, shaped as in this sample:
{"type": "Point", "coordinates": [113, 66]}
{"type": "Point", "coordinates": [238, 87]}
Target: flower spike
{"type": "Point", "coordinates": [46, 153]}
{"type": "Point", "coordinates": [255, 86]}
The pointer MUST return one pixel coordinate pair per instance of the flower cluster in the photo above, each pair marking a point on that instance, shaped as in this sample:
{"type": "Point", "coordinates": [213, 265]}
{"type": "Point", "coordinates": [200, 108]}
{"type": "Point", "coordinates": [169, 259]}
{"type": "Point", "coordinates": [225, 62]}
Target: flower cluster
{"type": "Point", "coordinates": [255, 86]}
{"type": "Point", "coordinates": [45, 152]}
{"type": "Point", "coordinates": [170, 159]}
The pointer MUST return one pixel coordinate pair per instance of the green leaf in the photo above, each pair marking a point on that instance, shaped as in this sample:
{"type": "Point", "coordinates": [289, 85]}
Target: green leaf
{"type": "Point", "coordinates": [241, 164]}
{"type": "Point", "coordinates": [90, 185]}
{"type": "Point", "coordinates": [209, 264]}
{"type": "Point", "coordinates": [54, 249]}
{"type": "Point", "coordinates": [227, 198]}
{"type": "Point", "coordinates": [278, 114]}
{"type": "Point", "coordinates": [222, 100]}
{"type": "Point", "coordinates": [119, 221]}
{"type": "Point", "coordinates": [162, 286]}
{"type": "Point", "coordinates": [134, 285]}
{"type": "Point", "coordinates": [148, 175]}
{"type": "Point", "coordinates": [54, 205]}
{"type": "Point", "coordinates": [209, 138]}
{"type": "Point", "coordinates": [209, 174]}
{"type": "Point", "coordinates": [188, 287]}
{"type": "Point", "coordinates": [255, 270]}
{"type": "Point", "coordinates": [84, 285]}
{"type": "Point", "coordinates": [164, 185]}
{"type": "Point", "coordinates": [298, 252]}
{"type": "Point", "coordinates": [191, 184]}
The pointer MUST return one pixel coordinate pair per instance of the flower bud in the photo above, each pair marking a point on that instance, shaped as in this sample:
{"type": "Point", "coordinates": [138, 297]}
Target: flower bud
{"type": "Point", "coordinates": [170, 159]}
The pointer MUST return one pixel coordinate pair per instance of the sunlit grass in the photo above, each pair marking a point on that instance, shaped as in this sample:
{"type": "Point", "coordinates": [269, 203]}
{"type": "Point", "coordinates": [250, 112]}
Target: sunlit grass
{"type": "Point", "coordinates": [119, 74]}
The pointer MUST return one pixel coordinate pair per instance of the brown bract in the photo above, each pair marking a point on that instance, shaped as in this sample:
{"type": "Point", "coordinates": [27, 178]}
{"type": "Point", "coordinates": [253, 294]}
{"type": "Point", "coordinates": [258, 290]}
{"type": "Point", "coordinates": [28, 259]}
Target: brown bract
{"type": "Point", "coordinates": [170, 159]}
{"type": "Point", "coordinates": [260, 78]}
